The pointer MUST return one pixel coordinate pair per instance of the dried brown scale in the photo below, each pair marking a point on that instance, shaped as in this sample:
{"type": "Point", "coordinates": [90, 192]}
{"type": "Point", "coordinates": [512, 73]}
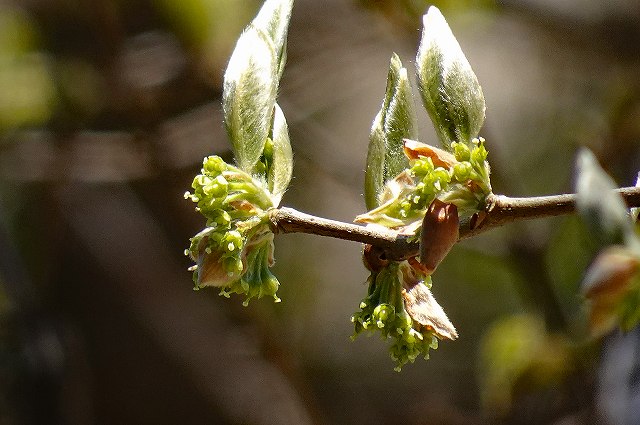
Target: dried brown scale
{"type": "Point", "coordinates": [374, 258]}
{"type": "Point", "coordinates": [438, 235]}
{"type": "Point", "coordinates": [441, 158]}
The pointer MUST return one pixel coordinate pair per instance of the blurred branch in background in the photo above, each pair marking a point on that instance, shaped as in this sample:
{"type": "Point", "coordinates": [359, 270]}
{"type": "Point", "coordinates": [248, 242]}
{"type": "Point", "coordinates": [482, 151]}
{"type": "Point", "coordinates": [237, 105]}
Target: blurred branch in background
{"type": "Point", "coordinates": [31, 352]}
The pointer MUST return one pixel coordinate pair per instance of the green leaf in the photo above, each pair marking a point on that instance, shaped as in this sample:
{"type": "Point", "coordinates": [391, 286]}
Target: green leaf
{"type": "Point", "coordinates": [273, 19]}
{"type": "Point", "coordinates": [249, 96]}
{"type": "Point", "coordinates": [394, 122]}
{"type": "Point", "coordinates": [602, 209]}
{"type": "Point", "coordinates": [449, 88]}
{"type": "Point", "coordinates": [282, 166]}
{"type": "Point", "coordinates": [251, 83]}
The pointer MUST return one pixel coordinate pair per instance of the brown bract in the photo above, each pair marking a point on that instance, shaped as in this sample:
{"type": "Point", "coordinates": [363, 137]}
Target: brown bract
{"type": "Point", "coordinates": [373, 258]}
{"type": "Point", "coordinates": [243, 205]}
{"type": "Point", "coordinates": [210, 269]}
{"type": "Point", "coordinates": [395, 187]}
{"type": "Point", "coordinates": [440, 158]}
{"type": "Point", "coordinates": [423, 308]}
{"type": "Point", "coordinates": [439, 233]}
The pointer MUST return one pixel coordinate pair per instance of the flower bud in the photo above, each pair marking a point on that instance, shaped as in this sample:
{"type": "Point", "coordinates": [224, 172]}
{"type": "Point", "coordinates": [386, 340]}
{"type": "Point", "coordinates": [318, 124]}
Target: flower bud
{"type": "Point", "coordinates": [479, 152]}
{"type": "Point", "coordinates": [462, 171]}
{"type": "Point", "coordinates": [216, 187]}
{"type": "Point", "coordinates": [213, 166]}
{"type": "Point", "coordinates": [383, 313]}
{"type": "Point", "coordinates": [610, 272]}
{"type": "Point", "coordinates": [461, 151]}
{"type": "Point", "coordinates": [450, 90]}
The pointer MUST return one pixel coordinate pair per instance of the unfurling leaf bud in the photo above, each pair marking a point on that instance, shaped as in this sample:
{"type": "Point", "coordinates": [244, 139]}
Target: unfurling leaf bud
{"type": "Point", "coordinates": [448, 86]}
{"type": "Point", "coordinates": [612, 282]}
{"type": "Point", "coordinates": [251, 85]}
{"type": "Point", "coordinates": [273, 20]}
{"type": "Point", "coordinates": [395, 121]}
{"type": "Point", "coordinates": [602, 209]}
{"type": "Point", "coordinates": [279, 174]}
{"type": "Point", "coordinates": [249, 95]}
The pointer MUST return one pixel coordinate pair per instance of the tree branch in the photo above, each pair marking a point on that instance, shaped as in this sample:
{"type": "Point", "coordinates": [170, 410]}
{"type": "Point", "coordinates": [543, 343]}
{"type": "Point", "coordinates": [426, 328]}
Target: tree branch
{"type": "Point", "coordinates": [498, 211]}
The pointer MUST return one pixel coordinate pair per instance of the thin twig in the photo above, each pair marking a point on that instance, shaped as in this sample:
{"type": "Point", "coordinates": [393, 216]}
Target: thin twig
{"type": "Point", "coordinates": [499, 210]}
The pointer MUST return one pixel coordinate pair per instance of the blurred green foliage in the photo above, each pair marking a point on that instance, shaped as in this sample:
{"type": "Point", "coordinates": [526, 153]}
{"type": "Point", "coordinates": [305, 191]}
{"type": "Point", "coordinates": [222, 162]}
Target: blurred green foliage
{"type": "Point", "coordinates": [207, 26]}
{"type": "Point", "coordinates": [46, 79]}
{"type": "Point", "coordinates": [407, 12]}
{"type": "Point", "coordinates": [518, 356]}
{"type": "Point", "coordinates": [568, 254]}
{"type": "Point", "coordinates": [25, 81]}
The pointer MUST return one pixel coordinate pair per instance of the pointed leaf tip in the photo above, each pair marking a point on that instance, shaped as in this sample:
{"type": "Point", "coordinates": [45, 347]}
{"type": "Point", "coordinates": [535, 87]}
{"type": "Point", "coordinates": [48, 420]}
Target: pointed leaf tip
{"type": "Point", "coordinates": [251, 81]}
{"type": "Point", "coordinates": [449, 88]}
{"type": "Point", "coordinates": [394, 122]}
{"type": "Point", "coordinates": [273, 19]}
{"type": "Point", "coordinates": [249, 95]}
{"type": "Point", "coordinates": [282, 167]}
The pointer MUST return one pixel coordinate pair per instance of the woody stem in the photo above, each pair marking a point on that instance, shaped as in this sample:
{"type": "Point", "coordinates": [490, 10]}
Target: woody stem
{"type": "Point", "coordinates": [498, 211]}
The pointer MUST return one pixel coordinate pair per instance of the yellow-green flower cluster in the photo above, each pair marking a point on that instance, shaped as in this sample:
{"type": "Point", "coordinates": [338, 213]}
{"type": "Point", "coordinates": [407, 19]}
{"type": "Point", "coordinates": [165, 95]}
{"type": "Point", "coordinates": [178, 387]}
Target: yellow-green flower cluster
{"type": "Point", "coordinates": [472, 163]}
{"type": "Point", "coordinates": [224, 193]}
{"type": "Point", "coordinates": [399, 304]}
{"type": "Point", "coordinates": [470, 177]}
{"type": "Point", "coordinates": [460, 178]}
{"type": "Point", "coordinates": [383, 310]}
{"type": "Point", "coordinates": [429, 182]}
{"type": "Point", "coordinates": [235, 250]}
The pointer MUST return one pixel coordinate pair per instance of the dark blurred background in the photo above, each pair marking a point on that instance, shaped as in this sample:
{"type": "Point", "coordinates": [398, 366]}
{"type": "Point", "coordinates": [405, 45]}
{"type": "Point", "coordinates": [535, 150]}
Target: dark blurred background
{"type": "Point", "coordinates": [106, 110]}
